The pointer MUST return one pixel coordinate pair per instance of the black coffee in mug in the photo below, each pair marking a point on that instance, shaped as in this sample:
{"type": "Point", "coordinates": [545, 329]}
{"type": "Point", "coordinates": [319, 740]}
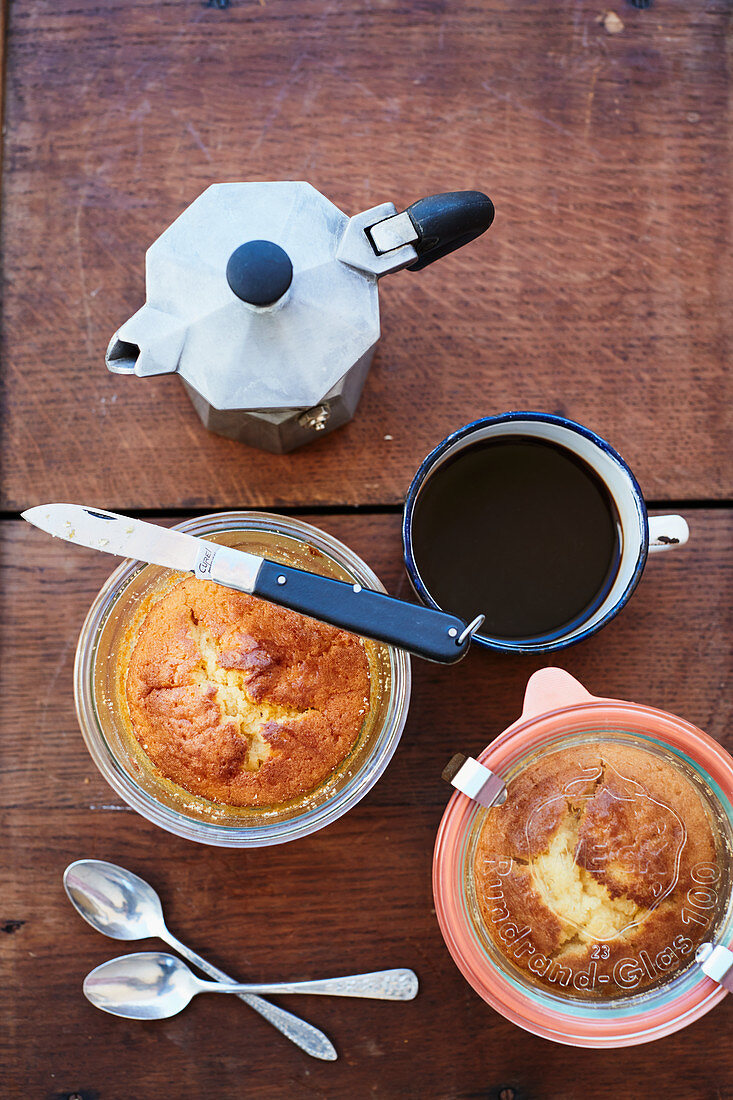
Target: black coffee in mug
{"type": "Point", "coordinates": [520, 529]}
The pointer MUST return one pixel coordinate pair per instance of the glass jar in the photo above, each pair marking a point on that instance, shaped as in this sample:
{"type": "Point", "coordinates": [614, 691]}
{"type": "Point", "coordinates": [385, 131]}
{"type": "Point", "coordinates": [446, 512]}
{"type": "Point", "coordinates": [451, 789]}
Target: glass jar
{"type": "Point", "coordinates": [104, 647]}
{"type": "Point", "coordinates": [559, 713]}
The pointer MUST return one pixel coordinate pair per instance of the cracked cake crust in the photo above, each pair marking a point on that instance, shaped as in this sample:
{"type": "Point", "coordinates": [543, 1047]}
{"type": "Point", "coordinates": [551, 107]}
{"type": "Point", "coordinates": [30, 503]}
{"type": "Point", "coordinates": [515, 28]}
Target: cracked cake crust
{"type": "Point", "coordinates": [240, 701]}
{"type": "Point", "coordinates": [584, 876]}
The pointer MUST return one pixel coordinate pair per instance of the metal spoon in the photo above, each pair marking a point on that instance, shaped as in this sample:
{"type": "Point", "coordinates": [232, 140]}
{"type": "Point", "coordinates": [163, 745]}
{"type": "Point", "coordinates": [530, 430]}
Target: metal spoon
{"type": "Point", "coordinates": [121, 905]}
{"type": "Point", "coordinates": [153, 986]}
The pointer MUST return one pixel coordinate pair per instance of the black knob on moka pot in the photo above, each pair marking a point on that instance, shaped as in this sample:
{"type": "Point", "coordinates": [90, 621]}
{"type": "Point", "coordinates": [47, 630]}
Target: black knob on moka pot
{"type": "Point", "coordinates": [259, 272]}
{"type": "Point", "coordinates": [446, 222]}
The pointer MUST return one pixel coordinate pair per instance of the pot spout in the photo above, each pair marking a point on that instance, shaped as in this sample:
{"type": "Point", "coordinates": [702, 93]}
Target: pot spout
{"type": "Point", "coordinates": [149, 343]}
{"type": "Point", "coordinates": [122, 355]}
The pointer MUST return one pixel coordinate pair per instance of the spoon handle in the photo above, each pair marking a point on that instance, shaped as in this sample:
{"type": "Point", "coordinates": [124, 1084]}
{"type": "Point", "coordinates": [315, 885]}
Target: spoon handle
{"type": "Point", "coordinates": [381, 985]}
{"type": "Point", "coordinates": [303, 1034]}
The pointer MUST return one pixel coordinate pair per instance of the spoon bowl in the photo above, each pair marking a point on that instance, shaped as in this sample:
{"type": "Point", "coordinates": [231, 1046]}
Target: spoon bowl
{"type": "Point", "coordinates": [114, 901]}
{"type": "Point", "coordinates": [148, 985]}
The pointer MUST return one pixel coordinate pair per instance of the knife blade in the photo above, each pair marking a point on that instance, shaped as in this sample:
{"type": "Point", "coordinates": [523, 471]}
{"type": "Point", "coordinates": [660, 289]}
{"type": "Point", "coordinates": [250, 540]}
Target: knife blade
{"type": "Point", "coordinates": [433, 635]}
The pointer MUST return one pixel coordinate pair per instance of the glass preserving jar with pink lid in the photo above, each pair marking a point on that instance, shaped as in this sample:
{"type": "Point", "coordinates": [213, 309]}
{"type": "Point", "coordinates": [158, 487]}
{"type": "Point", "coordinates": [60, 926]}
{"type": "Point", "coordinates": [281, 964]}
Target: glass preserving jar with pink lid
{"type": "Point", "coordinates": [583, 869]}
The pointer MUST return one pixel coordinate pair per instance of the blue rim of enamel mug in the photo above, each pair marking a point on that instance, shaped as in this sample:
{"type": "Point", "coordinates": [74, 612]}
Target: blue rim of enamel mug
{"type": "Point", "coordinates": [427, 466]}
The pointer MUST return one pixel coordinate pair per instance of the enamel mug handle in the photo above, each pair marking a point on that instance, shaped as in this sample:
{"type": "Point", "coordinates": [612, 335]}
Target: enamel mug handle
{"type": "Point", "coordinates": [666, 532]}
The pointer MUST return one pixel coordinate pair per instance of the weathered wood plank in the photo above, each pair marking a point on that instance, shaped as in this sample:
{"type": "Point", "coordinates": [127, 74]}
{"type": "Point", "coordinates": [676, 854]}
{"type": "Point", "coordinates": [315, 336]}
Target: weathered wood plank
{"type": "Point", "coordinates": [602, 289]}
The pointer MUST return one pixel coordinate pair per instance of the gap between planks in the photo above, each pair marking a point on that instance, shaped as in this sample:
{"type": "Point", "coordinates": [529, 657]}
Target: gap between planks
{"type": "Point", "coordinates": [353, 509]}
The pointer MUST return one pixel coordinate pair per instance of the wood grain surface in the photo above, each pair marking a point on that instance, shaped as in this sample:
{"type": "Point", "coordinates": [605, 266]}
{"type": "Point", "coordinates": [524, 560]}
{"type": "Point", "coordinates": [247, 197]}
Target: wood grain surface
{"type": "Point", "coordinates": [601, 290]}
{"type": "Point", "coordinates": [354, 897]}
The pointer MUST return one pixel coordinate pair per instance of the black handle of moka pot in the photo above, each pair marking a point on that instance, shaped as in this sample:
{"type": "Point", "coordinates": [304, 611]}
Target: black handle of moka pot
{"type": "Point", "coordinates": [446, 222]}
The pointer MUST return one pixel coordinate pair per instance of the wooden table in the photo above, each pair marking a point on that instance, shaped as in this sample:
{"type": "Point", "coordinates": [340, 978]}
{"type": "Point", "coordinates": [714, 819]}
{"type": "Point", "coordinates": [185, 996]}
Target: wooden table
{"type": "Point", "coordinates": [601, 292]}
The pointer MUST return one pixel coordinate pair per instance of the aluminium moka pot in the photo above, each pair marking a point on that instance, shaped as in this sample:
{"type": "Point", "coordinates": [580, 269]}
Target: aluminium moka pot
{"type": "Point", "coordinates": [263, 297]}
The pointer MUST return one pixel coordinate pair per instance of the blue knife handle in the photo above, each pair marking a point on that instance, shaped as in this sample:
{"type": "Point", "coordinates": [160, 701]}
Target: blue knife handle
{"type": "Point", "coordinates": [424, 632]}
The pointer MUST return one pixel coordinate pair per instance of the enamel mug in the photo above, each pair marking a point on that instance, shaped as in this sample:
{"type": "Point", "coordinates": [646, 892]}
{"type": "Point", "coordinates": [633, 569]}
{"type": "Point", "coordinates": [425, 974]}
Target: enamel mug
{"type": "Point", "coordinates": [639, 534]}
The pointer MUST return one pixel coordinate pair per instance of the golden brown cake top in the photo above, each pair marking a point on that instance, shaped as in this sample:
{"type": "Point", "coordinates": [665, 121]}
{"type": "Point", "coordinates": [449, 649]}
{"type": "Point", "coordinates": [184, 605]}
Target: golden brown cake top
{"type": "Point", "coordinates": [240, 701]}
{"type": "Point", "coordinates": [597, 875]}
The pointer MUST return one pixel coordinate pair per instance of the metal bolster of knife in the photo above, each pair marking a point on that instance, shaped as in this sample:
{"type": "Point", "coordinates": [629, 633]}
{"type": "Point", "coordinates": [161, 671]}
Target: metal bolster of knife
{"type": "Point", "coordinates": [475, 781]}
{"type": "Point", "coordinates": [716, 963]}
{"type": "Point", "coordinates": [227, 566]}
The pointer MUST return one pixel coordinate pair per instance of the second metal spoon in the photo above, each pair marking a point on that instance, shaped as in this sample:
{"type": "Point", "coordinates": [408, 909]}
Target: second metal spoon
{"type": "Point", "coordinates": [151, 985]}
{"type": "Point", "coordinates": [121, 905]}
